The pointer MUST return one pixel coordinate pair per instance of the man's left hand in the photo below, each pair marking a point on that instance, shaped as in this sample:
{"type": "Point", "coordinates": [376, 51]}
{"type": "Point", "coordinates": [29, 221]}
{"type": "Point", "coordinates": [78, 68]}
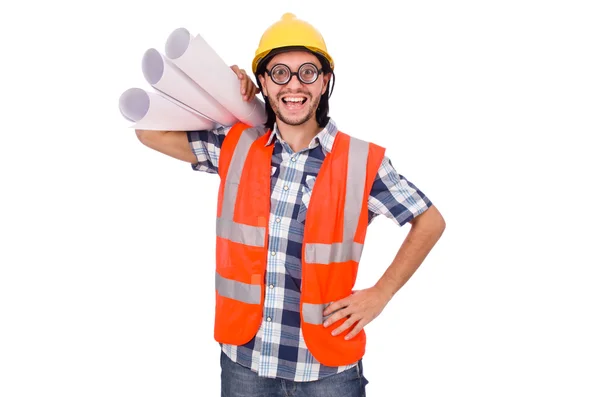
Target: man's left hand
{"type": "Point", "coordinates": [361, 308]}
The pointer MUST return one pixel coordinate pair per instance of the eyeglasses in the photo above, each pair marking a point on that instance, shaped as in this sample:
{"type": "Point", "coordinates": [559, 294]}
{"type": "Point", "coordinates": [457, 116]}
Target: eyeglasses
{"type": "Point", "coordinates": [307, 73]}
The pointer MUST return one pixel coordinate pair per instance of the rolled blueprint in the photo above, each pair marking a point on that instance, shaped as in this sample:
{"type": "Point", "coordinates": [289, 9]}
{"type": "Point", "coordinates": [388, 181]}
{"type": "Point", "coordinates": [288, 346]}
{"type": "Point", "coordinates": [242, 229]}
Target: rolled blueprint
{"type": "Point", "coordinates": [202, 64]}
{"type": "Point", "coordinates": [167, 78]}
{"type": "Point", "coordinates": [152, 111]}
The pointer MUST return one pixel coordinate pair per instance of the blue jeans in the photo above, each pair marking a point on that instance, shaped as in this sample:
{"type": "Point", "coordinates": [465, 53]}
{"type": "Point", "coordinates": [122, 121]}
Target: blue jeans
{"type": "Point", "coordinates": [239, 381]}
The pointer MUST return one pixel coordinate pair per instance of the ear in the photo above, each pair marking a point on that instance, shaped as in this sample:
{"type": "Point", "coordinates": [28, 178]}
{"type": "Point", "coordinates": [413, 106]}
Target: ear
{"type": "Point", "coordinates": [326, 78]}
{"type": "Point", "coordinates": [262, 80]}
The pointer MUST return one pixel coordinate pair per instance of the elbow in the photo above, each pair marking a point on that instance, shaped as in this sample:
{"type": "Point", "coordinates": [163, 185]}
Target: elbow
{"type": "Point", "coordinates": [440, 223]}
{"type": "Point", "coordinates": [142, 136]}
{"type": "Point", "coordinates": [437, 220]}
{"type": "Point", "coordinates": [149, 138]}
{"type": "Point", "coordinates": [442, 226]}
{"type": "Point", "coordinates": [431, 220]}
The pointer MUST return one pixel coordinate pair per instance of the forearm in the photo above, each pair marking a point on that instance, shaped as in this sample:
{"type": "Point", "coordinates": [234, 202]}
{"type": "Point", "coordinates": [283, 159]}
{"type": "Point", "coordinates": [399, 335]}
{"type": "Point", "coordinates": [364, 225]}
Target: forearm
{"type": "Point", "coordinates": [171, 143]}
{"type": "Point", "coordinates": [424, 233]}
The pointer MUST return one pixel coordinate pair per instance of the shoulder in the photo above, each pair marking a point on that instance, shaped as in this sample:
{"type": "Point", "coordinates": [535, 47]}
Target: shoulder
{"type": "Point", "coordinates": [249, 133]}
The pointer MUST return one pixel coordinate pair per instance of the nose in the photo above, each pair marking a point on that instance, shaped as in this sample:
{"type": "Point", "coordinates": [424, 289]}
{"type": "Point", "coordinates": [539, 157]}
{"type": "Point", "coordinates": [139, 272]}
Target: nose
{"type": "Point", "coordinates": [294, 82]}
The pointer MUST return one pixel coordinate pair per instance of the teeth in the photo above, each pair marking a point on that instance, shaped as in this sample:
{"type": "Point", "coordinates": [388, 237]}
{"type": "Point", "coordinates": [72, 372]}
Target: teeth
{"type": "Point", "coordinates": [293, 99]}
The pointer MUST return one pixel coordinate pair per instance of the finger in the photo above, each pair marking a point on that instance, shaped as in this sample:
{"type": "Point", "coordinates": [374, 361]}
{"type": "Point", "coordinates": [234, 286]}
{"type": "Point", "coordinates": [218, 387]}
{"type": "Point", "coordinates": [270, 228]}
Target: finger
{"type": "Point", "coordinates": [359, 326]}
{"type": "Point", "coordinates": [336, 316]}
{"type": "Point", "coordinates": [249, 88]}
{"type": "Point", "coordinates": [335, 306]}
{"type": "Point", "coordinates": [252, 90]}
{"type": "Point", "coordinates": [241, 76]}
{"type": "Point", "coordinates": [331, 317]}
{"type": "Point", "coordinates": [347, 324]}
{"type": "Point", "coordinates": [243, 84]}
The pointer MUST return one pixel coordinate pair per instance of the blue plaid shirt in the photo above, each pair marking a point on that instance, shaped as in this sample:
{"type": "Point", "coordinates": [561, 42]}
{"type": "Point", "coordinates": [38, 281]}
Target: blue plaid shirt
{"type": "Point", "coordinates": [278, 350]}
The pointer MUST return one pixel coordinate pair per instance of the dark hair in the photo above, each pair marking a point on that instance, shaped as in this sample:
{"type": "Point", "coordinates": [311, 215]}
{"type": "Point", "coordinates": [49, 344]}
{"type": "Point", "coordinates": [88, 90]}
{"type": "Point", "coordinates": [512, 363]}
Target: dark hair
{"type": "Point", "coordinates": [322, 113]}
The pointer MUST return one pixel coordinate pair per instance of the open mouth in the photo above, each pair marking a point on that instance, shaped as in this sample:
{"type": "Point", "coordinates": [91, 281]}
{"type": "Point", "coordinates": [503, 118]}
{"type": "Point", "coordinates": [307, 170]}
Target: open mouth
{"type": "Point", "coordinates": [294, 101]}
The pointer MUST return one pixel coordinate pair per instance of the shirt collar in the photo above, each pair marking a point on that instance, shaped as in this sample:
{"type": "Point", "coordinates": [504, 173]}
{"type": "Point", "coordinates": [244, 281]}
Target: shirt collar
{"type": "Point", "coordinates": [325, 137]}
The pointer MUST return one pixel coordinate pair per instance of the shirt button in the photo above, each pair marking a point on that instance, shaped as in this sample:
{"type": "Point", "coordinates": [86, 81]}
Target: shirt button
{"type": "Point", "coordinates": [293, 159]}
{"type": "Point", "coordinates": [272, 253]}
{"type": "Point", "coordinates": [278, 220]}
{"type": "Point", "coordinates": [271, 286]}
{"type": "Point", "coordinates": [269, 319]}
{"type": "Point", "coordinates": [285, 187]}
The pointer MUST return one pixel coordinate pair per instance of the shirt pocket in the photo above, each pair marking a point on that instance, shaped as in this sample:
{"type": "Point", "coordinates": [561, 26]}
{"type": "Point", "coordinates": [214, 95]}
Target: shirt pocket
{"type": "Point", "coordinates": [307, 188]}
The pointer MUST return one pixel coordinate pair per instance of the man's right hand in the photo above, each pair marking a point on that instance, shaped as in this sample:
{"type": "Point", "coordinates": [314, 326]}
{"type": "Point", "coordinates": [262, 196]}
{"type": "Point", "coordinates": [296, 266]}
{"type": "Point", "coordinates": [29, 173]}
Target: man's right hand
{"type": "Point", "coordinates": [175, 143]}
{"type": "Point", "coordinates": [247, 87]}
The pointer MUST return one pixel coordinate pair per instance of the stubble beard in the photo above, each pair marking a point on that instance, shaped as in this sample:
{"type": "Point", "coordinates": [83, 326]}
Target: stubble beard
{"type": "Point", "coordinates": [312, 110]}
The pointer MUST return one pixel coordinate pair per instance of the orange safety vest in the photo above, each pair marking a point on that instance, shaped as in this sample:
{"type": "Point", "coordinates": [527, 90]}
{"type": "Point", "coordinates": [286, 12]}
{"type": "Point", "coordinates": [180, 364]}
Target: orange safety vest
{"type": "Point", "coordinates": [335, 229]}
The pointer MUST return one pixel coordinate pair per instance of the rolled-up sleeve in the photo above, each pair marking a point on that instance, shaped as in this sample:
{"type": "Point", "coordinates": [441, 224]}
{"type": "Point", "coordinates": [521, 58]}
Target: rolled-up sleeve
{"type": "Point", "coordinates": [206, 145]}
{"type": "Point", "coordinates": [393, 196]}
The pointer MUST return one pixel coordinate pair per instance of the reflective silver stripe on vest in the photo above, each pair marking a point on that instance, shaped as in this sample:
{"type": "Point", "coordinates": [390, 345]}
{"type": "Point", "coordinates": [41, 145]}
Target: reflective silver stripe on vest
{"type": "Point", "coordinates": [336, 252]}
{"type": "Point", "coordinates": [247, 293]}
{"type": "Point", "coordinates": [355, 189]}
{"type": "Point", "coordinates": [313, 313]}
{"type": "Point", "coordinates": [355, 185]}
{"type": "Point", "coordinates": [226, 227]}
{"type": "Point", "coordinates": [239, 233]}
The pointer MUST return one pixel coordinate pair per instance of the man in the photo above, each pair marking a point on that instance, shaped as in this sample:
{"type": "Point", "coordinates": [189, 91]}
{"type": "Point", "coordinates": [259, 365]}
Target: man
{"type": "Point", "coordinates": [295, 201]}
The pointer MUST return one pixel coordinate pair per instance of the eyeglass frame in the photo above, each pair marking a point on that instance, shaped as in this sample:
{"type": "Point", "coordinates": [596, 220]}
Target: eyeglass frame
{"type": "Point", "coordinates": [292, 74]}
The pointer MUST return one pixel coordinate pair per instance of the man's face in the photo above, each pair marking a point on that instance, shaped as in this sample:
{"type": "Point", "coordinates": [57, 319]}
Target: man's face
{"type": "Point", "coordinates": [294, 103]}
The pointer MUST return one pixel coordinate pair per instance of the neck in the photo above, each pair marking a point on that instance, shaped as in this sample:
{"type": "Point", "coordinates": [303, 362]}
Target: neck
{"type": "Point", "coordinates": [298, 136]}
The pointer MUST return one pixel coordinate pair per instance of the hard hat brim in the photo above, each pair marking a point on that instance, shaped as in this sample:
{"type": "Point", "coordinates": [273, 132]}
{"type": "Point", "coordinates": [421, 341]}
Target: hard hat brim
{"type": "Point", "coordinates": [264, 57]}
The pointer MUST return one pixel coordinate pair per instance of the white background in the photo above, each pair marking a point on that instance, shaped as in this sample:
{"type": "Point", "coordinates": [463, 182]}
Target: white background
{"type": "Point", "coordinates": [491, 108]}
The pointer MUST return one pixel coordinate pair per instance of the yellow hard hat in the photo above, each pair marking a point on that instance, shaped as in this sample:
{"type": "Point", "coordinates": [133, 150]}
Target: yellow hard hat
{"type": "Point", "coordinates": [290, 31]}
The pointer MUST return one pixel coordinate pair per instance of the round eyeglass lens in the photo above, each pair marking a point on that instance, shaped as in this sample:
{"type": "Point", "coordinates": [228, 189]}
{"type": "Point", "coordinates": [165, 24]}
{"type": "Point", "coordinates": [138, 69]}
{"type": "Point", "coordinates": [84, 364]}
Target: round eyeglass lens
{"type": "Point", "coordinates": [308, 73]}
{"type": "Point", "coordinates": [280, 74]}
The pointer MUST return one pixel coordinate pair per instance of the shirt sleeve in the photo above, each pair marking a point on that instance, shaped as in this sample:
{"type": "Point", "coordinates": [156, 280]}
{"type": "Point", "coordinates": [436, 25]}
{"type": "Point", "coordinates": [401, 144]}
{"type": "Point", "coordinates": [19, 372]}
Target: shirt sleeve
{"type": "Point", "coordinates": [395, 197]}
{"type": "Point", "coordinates": [206, 145]}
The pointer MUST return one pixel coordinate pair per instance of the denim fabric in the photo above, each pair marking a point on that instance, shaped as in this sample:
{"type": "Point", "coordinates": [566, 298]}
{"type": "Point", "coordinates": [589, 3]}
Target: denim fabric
{"type": "Point", "coordinates": [239, 381]}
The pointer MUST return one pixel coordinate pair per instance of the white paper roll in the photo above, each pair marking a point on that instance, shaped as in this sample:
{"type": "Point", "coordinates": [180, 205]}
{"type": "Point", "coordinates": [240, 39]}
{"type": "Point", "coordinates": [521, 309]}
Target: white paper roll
{"type": "Point", "coordinates": [167, 78]}
{"type": "Point", "coordinates": [152, 111]}
{"type": "Point", "coordinates": [203, 65]}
